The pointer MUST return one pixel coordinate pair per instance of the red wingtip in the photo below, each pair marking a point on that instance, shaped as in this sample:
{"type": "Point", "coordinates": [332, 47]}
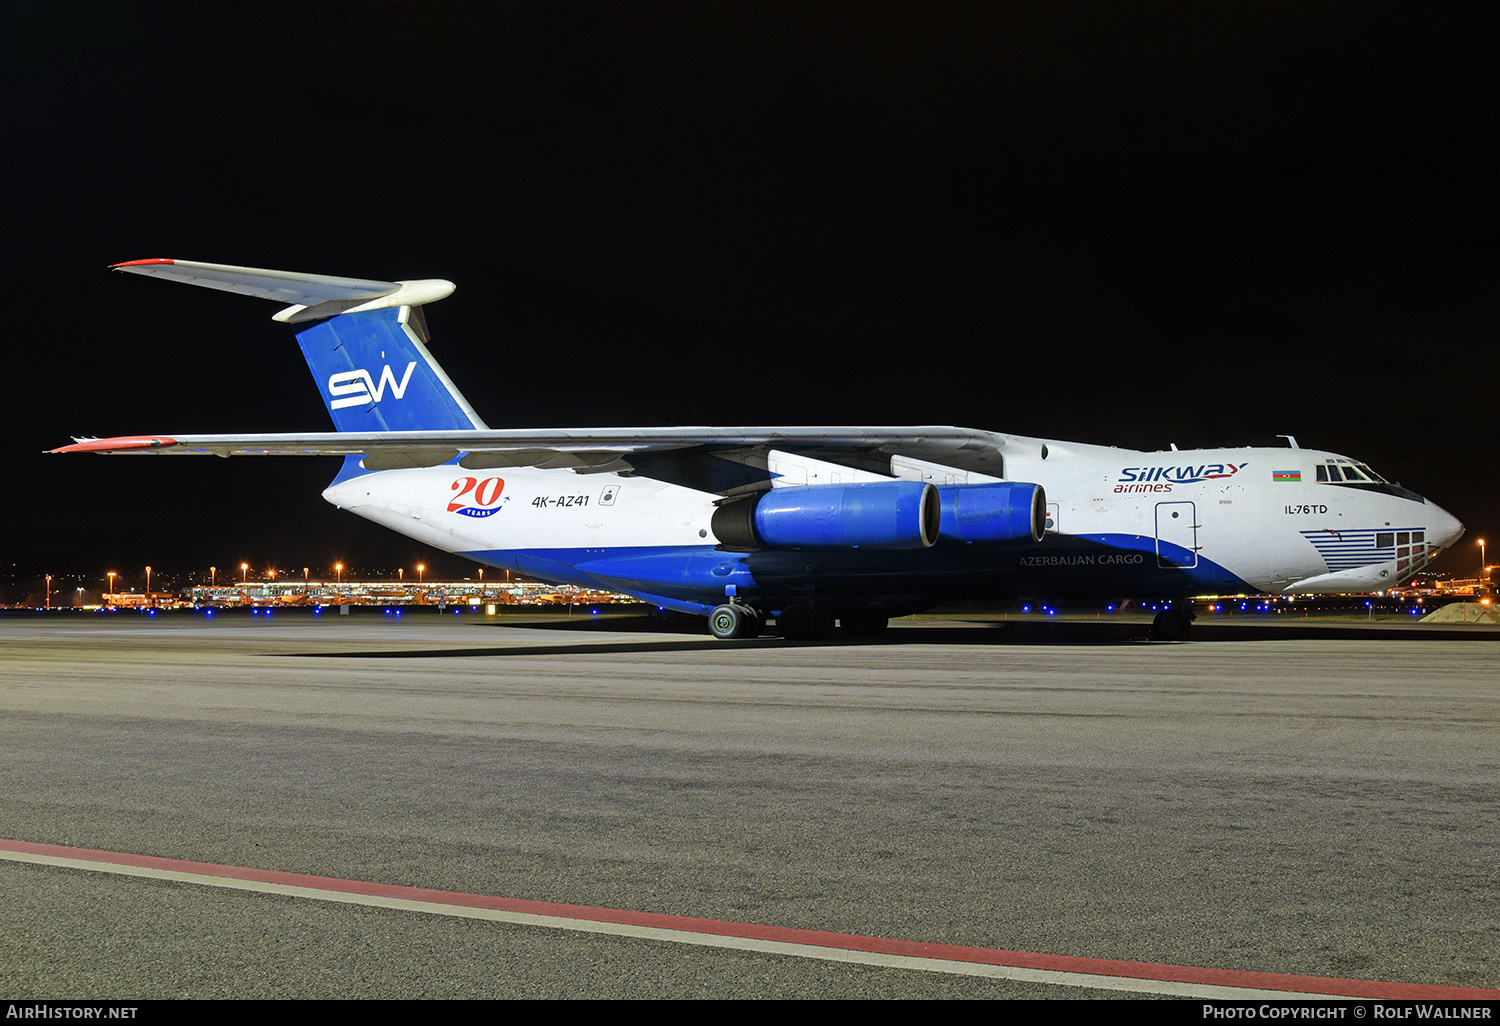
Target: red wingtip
{"type": "Point", "coordinates": [125, 443]}
{"type": "Point", "coordinates": [137, 263]}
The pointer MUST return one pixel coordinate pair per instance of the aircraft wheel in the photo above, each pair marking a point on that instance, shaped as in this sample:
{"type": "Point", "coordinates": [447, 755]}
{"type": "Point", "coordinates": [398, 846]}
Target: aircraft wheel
{"type": "Point", "coordinates": [1170, 625]}
{"type": "Point", "coordinates": [730, 621]}
{"type": "Point", "coordinates": [799, 623]}
{"type": "Point", "coordinates": [864, 625]}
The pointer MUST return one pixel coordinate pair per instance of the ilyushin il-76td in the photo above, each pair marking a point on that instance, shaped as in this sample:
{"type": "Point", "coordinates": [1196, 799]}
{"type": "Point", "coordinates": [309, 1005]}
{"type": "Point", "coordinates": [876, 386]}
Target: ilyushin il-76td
{"type": "Point", "coordinates": [806, 526]}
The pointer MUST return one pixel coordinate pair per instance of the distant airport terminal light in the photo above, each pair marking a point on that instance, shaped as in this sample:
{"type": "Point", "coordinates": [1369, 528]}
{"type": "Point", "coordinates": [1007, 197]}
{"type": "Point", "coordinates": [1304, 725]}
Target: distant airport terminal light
{"type": "Point", "coordinates": [394, 593]}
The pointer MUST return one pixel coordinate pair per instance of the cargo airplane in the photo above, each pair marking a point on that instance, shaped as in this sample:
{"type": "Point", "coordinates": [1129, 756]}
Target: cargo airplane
{"type": "Point", "coordinates": [803, 525]}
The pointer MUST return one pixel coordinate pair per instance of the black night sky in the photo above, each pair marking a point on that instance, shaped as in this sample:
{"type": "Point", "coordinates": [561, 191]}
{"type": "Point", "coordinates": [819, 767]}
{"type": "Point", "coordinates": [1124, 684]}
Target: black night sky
{"type": "Point", "coordinates": [1206, 224]}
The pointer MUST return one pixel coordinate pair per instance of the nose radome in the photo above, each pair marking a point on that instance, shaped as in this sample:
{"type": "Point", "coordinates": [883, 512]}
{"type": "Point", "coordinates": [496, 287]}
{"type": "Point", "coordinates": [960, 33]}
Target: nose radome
{"type": "Point", "coordinates": [1443, 528]}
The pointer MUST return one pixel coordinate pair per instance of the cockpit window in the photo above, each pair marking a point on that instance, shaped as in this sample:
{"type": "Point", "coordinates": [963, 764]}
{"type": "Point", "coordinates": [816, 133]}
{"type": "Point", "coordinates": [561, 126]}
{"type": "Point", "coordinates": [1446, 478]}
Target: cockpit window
{"type": "Point", "coordinates": [1339, 471]}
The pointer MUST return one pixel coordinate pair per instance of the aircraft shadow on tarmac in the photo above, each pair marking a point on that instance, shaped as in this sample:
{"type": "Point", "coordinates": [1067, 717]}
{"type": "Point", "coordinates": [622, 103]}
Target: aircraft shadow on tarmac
{"type": "Point", "coordinates": [1006, 632]}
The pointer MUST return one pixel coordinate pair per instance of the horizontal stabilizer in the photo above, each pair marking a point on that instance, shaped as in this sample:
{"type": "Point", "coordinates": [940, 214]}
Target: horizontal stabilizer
{"type": "Point", "coordinates": [308, 296]}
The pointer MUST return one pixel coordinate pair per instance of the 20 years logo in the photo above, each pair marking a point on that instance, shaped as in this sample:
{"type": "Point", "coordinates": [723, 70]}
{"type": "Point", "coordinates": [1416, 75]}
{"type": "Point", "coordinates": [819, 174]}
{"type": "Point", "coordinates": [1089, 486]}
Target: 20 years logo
{"type": "Point", "coordinates": [478, 498]}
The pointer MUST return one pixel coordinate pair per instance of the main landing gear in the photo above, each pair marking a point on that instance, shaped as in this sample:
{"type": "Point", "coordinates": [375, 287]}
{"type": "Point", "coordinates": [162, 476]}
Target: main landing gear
{"type": "Point", "coordinates": [798, 622]}
{"type": "Point", "coordinates": [804, 623]}
{"type": "Point", "coordinates": [1171, 625]}
{"type": "Point", "coordinates": [732, 620]}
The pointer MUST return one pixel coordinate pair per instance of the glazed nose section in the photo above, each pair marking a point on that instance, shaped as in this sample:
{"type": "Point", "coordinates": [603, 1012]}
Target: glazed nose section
{"type": "Point", "coordinates": [1443, 528]}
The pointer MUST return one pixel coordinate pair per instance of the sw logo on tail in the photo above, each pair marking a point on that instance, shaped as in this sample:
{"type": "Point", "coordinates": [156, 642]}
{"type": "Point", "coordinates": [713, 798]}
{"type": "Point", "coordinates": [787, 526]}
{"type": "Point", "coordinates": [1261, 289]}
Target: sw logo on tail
{"type": "Point", "coordinates": [358, 388]}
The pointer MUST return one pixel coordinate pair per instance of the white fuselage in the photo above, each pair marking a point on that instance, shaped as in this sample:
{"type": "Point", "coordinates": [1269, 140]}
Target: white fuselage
{"type": "Point", "coordinates": [1223, 520]}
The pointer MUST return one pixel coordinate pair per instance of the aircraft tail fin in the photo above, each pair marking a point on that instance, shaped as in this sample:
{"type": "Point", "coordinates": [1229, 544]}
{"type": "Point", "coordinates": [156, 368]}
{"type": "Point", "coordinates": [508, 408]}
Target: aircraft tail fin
{"type": "Point", "coordinates": [376, 374]}
{"type": "Point", "coordinates": [369, 357]}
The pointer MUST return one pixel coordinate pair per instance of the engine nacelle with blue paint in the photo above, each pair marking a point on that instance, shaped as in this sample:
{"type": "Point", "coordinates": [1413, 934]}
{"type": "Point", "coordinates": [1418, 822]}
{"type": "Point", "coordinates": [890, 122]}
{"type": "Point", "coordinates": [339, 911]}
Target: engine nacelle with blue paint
{"type": "Point", "coordinates": [890, 515]}
{"type": "Point", "coordinates": [1004, 513]}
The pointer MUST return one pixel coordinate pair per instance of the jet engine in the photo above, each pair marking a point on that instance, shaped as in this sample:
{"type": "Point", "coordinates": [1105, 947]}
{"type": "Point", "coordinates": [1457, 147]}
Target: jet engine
{"type": "Point", "coordinates": [874, 515]}
{"type": "Point", "coordinates": [1006, 512]}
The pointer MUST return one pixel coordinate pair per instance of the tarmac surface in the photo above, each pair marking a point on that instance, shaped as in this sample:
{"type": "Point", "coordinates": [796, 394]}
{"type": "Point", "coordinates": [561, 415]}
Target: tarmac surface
{"type": "Point", "coordinates": [1285, 803]}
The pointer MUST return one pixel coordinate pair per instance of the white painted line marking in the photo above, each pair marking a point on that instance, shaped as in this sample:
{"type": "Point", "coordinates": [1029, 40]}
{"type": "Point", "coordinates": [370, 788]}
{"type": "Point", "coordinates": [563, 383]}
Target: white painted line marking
{"type": "Point", "coordinates": [1179, 981]}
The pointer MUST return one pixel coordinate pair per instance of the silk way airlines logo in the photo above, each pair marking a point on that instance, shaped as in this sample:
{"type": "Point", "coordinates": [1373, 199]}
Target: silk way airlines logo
{"type": "Point", "coordinates": [358, 388]}
{"type": "Point", "coordinates": [1182, 475]}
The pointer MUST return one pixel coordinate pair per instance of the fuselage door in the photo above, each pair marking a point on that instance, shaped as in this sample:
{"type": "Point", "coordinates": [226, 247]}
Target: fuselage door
{"type": "Point", "coordinates": [1176, 534]}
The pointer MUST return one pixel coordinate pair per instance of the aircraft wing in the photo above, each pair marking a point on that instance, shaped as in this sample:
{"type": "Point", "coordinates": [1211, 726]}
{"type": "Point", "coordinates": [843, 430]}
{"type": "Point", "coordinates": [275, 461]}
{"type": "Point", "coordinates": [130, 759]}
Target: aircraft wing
{"type": "Point", "coordinates": [365, 360]}
{"type": "Point", "coordinates": [581, 449]}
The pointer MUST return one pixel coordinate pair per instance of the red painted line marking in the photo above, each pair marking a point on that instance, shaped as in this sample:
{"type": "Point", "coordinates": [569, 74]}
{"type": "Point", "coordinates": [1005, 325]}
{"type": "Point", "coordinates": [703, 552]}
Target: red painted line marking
{"type": "Point", "coordinates": [1292, 984]}
{"type": "Point", "coordinates": [119, 443]}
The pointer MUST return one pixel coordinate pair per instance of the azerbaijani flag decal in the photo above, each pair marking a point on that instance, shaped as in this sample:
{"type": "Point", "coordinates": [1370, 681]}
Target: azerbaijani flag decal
{"type": "Point", "coordinates": [1286, 475]}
